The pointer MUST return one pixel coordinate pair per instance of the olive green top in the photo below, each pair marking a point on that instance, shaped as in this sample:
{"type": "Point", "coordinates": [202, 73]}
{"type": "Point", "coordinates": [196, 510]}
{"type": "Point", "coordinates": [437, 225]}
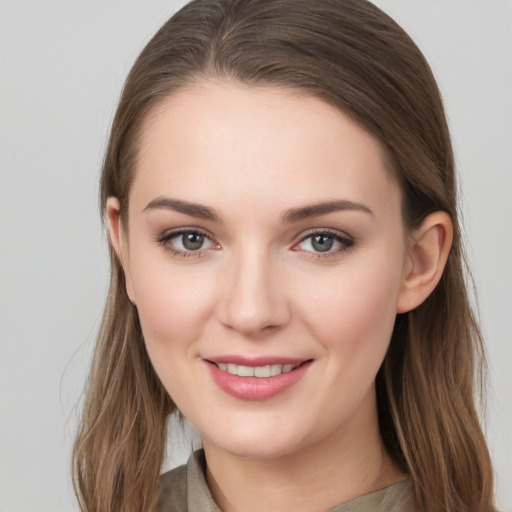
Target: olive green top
{"type": "Point", "coordinates": [184, 489]}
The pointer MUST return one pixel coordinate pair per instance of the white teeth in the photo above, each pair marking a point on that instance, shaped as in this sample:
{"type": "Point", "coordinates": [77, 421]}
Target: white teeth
{"type": "Point", "coordinates": [276, 369]}
{"type": "Point", "coordinates": [262, 371]}
{"type": "Point", "coordinates": [245, 371]}
{"type": "Point", "coordinates": [270, 370]}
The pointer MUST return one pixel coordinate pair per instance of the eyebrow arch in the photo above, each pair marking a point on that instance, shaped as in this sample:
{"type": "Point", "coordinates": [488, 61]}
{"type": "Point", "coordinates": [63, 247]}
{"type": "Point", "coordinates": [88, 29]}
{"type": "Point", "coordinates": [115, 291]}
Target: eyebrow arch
{"type": "Point", "coordinates": [313, 210]}
{"type": "Point", "coordinates": [193, 209]}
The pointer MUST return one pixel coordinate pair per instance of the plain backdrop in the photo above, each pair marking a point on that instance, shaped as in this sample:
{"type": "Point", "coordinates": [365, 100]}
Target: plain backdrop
{"type": "Point", "coordinates": [62, 65]}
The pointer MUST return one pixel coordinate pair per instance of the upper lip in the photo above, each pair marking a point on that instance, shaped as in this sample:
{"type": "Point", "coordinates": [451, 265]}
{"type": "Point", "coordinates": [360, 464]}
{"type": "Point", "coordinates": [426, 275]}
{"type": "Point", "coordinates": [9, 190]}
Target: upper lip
{"type": "Point", "coordinates": [255, 361]}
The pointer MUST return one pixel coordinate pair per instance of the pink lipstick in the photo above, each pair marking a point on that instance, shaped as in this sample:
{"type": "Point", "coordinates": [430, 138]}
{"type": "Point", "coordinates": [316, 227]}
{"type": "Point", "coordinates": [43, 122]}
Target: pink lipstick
{"type": "Point", "coordinates": [256, 378]}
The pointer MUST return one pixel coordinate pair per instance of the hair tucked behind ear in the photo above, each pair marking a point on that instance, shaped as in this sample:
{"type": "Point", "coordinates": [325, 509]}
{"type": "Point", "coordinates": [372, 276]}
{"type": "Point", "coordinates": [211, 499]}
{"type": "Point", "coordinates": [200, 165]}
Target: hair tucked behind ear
{"type": "Point", "coordinates": [353, 56]}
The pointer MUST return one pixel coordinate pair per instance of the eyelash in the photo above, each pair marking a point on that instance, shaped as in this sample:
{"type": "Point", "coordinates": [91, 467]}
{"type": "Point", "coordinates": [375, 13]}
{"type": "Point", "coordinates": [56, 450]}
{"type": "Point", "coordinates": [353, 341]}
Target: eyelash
{"type": "Point", "coordinates": [164, 240]}
{"type": "Point", "coordinates": [345, 241]}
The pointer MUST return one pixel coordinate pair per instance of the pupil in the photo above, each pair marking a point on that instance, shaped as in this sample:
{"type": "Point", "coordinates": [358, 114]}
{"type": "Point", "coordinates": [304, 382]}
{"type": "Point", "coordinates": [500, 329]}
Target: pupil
{"type": "Point", "coordinates": [322, 243]}
{"type": "Point", "coordinates": [193, 241]}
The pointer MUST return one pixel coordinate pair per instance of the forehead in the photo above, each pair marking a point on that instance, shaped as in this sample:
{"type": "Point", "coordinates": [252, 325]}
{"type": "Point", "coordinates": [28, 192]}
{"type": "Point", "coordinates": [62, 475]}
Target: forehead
{"type": "Point", "coordinates": [218, 140]}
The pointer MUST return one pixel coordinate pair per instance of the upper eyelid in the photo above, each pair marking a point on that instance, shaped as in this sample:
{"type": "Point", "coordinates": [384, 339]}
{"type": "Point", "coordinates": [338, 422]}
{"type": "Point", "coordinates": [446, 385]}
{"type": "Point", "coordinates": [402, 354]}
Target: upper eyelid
{"type": "Point", "coordinates": [335, 233]}
{"type": "Point", "coordinates": [171, 233]}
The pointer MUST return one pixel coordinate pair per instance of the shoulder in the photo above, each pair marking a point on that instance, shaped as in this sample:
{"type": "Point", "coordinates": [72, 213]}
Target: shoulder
{"type": "Point", "coordinates": [172, 490]}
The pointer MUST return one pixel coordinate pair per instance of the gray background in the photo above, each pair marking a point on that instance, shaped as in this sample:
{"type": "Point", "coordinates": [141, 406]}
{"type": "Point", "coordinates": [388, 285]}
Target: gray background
{"type": "Point", "coordinates": [62, 64]}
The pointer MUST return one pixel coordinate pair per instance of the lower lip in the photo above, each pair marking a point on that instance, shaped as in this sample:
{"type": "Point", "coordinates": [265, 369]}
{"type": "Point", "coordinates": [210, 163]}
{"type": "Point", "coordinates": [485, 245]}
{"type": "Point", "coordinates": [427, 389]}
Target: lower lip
{"type": "Point", "coordinates": [256, 388]}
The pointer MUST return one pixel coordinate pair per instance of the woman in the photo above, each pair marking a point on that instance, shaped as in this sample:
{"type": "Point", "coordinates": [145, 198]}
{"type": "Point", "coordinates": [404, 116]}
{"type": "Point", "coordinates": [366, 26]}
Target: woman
{"type": "Point", "coordinates": [287, 273]}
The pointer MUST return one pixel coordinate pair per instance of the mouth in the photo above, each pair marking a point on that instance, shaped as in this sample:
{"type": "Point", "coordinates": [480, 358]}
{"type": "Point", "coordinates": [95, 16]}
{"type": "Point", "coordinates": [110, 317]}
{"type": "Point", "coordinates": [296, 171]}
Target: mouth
{"type": "Point", "coordinates": [262, 372]}
{"type": "Point", "coordinates": [256, 378]}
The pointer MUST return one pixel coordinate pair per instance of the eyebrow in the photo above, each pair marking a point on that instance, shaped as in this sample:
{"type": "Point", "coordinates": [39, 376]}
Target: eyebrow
{"type": "Point", "coordinates": [291, 215]}
{"type": "Point", "coordinates": [314, 210]}
{"type": "Point", "coordinates": [193, 209]}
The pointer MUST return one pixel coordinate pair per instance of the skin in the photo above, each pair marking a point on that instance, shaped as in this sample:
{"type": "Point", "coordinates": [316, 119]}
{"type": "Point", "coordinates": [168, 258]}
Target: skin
{"type": "Point", "coordinates": [259, 287]}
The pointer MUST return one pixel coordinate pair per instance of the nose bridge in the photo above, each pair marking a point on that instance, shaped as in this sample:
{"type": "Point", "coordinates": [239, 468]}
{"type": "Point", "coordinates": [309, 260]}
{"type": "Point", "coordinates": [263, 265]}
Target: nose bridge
{"type": "Point", "coordinates": [254, 298]}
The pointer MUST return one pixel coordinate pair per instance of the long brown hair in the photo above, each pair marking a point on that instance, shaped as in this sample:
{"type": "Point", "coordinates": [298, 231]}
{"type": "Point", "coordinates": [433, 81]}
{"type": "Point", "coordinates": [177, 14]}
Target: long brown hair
{"type": "Point", "coordinates": [352, 55]}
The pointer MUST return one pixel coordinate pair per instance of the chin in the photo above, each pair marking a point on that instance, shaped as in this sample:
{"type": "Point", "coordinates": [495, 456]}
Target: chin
{"type": "Point", "coordinates": [256, 441]}
{"type": "Point", "coordinates": [263, 450]}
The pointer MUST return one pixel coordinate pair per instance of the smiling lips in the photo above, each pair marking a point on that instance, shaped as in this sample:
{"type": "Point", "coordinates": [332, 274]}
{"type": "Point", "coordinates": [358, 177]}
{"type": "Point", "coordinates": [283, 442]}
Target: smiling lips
{"type": "Point", "coordinates": [260, 380]}
{"type": "Point", "coordinates": [269, 370]}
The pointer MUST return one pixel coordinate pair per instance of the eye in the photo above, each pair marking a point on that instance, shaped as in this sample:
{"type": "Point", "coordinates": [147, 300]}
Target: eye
{"type": "Point", "coordinates": [186, 242]}
{"type": "Point", "coordinates": [190, 241]}
{"type": "Point", "coordinates": [324, 243]}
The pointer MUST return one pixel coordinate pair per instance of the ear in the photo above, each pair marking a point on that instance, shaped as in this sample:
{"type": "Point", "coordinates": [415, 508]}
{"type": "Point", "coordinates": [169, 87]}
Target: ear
{"type": "Point", "coordinates": [119, 242]}
{"type": "Point", "coordinates": [428, 251]}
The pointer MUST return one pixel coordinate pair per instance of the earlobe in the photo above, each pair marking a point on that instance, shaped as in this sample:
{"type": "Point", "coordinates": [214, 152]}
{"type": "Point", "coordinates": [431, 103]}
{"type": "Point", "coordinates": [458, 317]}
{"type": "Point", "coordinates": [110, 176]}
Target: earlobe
{"type": "Point", "coordinates": [118, 241]}
{"type": "Point", "coordinates": [428, 252]}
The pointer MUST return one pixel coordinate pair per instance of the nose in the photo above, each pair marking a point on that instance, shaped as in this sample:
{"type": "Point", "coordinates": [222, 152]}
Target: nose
{"type": "Point", "coordinates": [254, 300]}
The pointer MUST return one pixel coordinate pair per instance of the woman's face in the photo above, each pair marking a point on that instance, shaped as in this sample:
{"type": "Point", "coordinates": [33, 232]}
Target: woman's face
{"type": "Point", "coordinates": [265, 255]}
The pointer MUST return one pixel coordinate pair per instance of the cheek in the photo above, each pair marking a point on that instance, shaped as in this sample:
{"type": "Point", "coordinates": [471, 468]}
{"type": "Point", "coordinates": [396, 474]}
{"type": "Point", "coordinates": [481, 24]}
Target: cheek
{"type": "Point", "coordinates": [352, 318]}
{"type": "Point", "coordinates": [172, 300]}
{"type": "Point", "coordinates": [352, 310]}
{"type": "Point", "coordinates": [173, 305]}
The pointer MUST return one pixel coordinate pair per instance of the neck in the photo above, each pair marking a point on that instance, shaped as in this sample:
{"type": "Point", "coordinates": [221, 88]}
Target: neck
{"type": "Point", "coordinates": [350, 463]}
